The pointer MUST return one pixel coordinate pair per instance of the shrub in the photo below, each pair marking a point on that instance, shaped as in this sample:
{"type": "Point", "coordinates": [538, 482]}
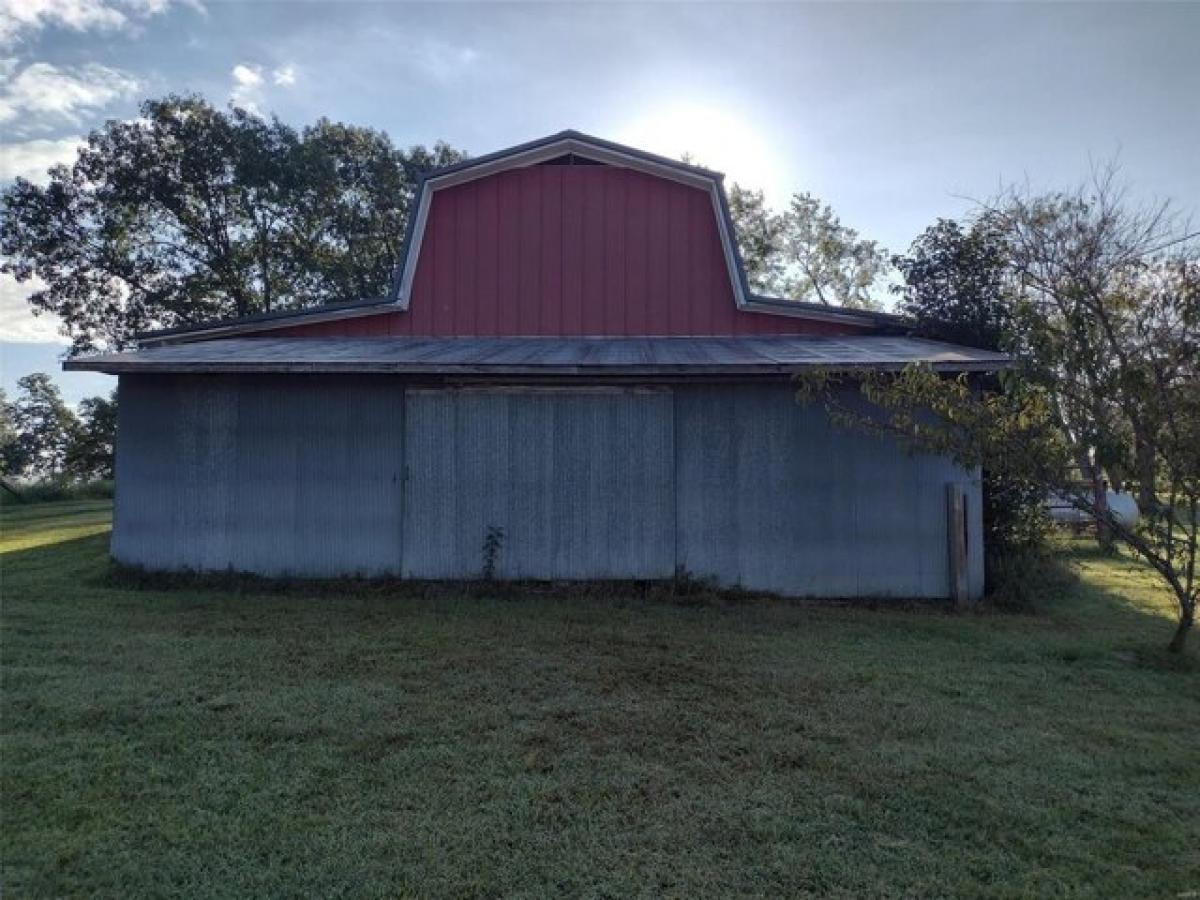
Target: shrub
{"type": "Point", "coordinates": [1021, 579]}
{"type": "Point", "coordinates": [51, 490]}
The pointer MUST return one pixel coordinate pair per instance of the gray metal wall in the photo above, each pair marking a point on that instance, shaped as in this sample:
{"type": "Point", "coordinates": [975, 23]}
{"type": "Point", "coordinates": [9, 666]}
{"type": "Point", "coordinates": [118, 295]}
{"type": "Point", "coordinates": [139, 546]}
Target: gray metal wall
{"type": "Point", "coordinates": [325, 475]}
{"type": "Point", "coordinates": [252, 474]}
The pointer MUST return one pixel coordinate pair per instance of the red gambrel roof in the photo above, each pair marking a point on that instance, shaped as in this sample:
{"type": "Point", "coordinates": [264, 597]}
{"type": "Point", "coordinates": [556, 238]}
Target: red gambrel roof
{"type": "Point", "coordinates": [567, 236]}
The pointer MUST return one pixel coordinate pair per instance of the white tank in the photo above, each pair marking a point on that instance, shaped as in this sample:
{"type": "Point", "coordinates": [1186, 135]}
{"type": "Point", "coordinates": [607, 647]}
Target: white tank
{"type": "Point", "coordinates": [1122, 506]}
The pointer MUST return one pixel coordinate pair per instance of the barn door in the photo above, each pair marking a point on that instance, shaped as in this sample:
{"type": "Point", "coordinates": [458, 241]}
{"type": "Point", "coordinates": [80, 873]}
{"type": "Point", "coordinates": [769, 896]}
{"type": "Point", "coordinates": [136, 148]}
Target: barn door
{"type": "Point", "coordinates": [570, 483]}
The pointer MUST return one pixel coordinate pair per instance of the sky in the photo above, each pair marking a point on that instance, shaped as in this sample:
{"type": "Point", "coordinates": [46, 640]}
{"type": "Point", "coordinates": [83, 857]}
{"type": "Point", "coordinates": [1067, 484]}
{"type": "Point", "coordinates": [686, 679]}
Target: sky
{"type": "Point", "coordinates": [896, 114]}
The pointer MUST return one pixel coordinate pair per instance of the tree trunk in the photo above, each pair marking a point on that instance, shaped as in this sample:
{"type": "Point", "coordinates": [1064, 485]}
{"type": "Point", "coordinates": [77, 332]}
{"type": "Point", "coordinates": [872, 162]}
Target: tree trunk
{"type": "Point", "coordinates": [1186, 621]}
{"type": "Point", "coordinates": [1104, 535]}
{"type": "Point", "coordinates": [1144, 463]}
{"type": "Point", "coordinates": [264, 266]}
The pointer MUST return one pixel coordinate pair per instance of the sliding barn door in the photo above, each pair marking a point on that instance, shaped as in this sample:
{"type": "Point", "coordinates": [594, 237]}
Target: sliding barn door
{"type": "Point", "coordinates": [569, 483]}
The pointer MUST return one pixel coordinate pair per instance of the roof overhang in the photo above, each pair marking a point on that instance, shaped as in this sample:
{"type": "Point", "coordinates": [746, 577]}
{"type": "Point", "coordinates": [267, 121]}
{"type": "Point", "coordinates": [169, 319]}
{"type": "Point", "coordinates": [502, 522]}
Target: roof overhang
{"type": "Point", "coordinates": [547, 356]}
{"type": "Point", "coordinates": [331, 312]}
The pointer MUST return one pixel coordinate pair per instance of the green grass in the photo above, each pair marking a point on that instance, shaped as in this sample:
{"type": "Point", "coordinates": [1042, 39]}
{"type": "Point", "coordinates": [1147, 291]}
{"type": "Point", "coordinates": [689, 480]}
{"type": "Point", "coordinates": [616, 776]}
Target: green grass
{"type": "Point", "coordinates": [440, 742]}
{"type": "Point", "coordinates": [53, 490]}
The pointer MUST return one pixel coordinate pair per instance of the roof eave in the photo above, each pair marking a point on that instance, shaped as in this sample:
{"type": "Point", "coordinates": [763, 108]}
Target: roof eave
{"type": "Point", "coordinates": [266, 322]}
{"type": "Point", "coordinates": [114, 366]}
{"type": "Point", "coordinates": [781, 306]}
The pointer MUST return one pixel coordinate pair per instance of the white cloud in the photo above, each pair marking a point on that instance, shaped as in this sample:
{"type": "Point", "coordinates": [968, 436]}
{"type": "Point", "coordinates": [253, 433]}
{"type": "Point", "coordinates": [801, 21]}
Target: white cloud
{"type": "Point", "coordinates": [247, 76]}
{"type": "Point", "coordinates": [31, 159]}
{"type": "Point", "coordinates": [17, 321]}
{"type": "Point", "coordinates": [443, 61]}
{"type": "Point", "coordinates": [42, 91]}
{"type": "Point", "coordinates": [250, 84]}
{"type": "Point", "coordinates": [18, 16]}
{"type": "Point", "coordinates": [21, 18]}
{"type": "Point", "coordinates": [247, 85]}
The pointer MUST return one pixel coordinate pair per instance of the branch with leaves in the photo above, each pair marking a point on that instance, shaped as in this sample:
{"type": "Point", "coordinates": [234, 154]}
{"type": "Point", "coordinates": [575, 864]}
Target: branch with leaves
{"type": "Point", "coordinates": [805, 252]}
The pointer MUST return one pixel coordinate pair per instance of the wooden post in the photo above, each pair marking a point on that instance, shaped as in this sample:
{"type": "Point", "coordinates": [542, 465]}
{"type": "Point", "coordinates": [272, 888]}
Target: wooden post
{"type": "Point", "coordinates": [956, 534]}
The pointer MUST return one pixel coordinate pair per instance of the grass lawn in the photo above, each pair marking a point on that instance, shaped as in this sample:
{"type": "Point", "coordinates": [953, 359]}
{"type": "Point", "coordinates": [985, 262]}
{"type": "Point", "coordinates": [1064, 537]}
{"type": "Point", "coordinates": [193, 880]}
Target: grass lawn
{"type": "Point", "coordinates": [427, 742]}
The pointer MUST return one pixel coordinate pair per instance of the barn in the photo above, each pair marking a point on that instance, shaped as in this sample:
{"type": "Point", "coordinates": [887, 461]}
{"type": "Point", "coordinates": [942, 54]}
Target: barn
{"type": "Point", "coordinates": [570, 379]}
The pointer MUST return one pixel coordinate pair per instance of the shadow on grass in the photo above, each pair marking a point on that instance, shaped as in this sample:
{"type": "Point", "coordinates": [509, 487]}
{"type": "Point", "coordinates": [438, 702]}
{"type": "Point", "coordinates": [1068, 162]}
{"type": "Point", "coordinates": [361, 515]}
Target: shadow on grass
{"type": "Point", "coordinates": [1105, 620]}
{"type": "Point", "coordinates": [683, 590]}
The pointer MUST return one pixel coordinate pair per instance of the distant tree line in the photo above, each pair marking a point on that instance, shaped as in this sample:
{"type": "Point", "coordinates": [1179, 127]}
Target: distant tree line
{"type": "Point", "coordinates": [41, 437]}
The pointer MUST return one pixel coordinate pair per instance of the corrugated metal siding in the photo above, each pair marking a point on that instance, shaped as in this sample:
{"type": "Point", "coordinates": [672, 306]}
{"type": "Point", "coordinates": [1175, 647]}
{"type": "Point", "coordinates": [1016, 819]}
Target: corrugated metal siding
{"type": "Point", "coordinates": [570, 251]}
{"type": "Point", "coordinates": [328, 475]}
{"type": "Point", "coordinates": [580, 482]}
{"type": "Point", "coordinates": [772, 497]}
{"type": "Point", "coordinates": [251, 474]}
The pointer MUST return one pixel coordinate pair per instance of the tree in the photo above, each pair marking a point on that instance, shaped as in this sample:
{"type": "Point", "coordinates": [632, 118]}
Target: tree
{"type": "Point", "coordinates": [760, 239]}
{"type": "Point", "coordinates": [10, 450]}
{"type": "Point", "coordinates": [44, 426]}
{"type": "Point", "coordinates": [805, 253]}
{"type": "Point", "coordinates": [89, 454]}
{"type": "Point", "coordinates": [188, 214]}
{"type": "Point", "coordinates": [957, 288]}
{"type": "Point", "coordinates": [826, 260]}
{"type": "Point", "coordinates": [956, 284]}
{"type": "Point", "coordinates": [1106, 366]}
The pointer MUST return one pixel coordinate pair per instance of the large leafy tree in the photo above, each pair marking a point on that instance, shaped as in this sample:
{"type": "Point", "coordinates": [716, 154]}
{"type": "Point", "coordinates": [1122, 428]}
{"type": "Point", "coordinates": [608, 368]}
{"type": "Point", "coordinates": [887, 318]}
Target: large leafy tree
{"type": "Point", "coordinates": [956, 284]}
{"type": "Point", "coordinates": [828, 261]}
{"type": "Point", "coordinates": [90, 452]}
{"type": "Point", "coordinates": [957, 287]}
{"type": "Point", "coordinates": [190, 213]}
{"type": "Point", "coordinates": [805, 252]}
{"type": "Point", "coordinates": [760, 239]}
{"type": "Point", "coordinates": [40, 428]}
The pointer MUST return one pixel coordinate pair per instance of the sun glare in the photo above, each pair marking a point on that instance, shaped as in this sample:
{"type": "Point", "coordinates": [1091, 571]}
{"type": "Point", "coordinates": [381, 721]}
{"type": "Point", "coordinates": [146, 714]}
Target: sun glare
{"type": "Point", "coordinates": [711, 136]}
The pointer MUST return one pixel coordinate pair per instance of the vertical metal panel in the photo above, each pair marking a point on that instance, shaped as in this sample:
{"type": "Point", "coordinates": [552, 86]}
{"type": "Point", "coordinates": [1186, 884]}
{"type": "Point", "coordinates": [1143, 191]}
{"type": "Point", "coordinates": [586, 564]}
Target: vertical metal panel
{"type": "Point", "coordinates": [175, 453]}
{"type": "Point", "coordinates": [552, 253]}
{"type": "Point", "coordinates": [772, 497]}
{"type": "Point", "coordinates": [275, 476]}
{"type": "Point", "coordinates": [593, 265]}
{"type": "Point", "coordinates": [146, 476]}
{"type": "Point", "coordinates": [616, 224]}
{"type": "Point", "coordinates": [581, 483]}
{"type": "Point", "coordinates": [956, 534]}
{"type": "Point", "coordinates": [975, 555]}
{"type": "Point", "coordinates": [319, 474]}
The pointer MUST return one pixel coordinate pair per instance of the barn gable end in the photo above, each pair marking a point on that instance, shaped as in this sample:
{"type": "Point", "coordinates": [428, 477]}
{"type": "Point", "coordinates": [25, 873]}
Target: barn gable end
{"type": "Point", "coordinates": [570, 236]}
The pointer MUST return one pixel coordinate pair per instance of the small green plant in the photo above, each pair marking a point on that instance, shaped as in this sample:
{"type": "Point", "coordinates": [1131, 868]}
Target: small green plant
{"type": "Point", "coordinates": [493, 541]}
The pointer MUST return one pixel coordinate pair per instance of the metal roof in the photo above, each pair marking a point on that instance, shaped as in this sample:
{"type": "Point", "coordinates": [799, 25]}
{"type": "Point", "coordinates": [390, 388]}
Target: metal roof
{"type": "Point", "coordinates": [578, 137]}
{"type": "Point", "coordinates": [266, 320]}
{"type": "Point", "coordinates": [546, 356]}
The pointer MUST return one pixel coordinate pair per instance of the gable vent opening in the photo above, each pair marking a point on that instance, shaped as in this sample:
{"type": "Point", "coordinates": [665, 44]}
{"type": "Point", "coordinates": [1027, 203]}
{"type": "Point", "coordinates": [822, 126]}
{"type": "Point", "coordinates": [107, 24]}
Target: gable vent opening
{"type": "Point", "coordinates": [571, 159]}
